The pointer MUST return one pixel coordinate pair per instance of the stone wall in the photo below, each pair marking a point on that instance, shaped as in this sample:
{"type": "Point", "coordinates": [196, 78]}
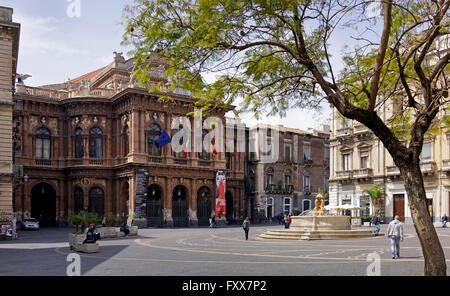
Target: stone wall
{"type": "Point", "coordinates": [8, 57]}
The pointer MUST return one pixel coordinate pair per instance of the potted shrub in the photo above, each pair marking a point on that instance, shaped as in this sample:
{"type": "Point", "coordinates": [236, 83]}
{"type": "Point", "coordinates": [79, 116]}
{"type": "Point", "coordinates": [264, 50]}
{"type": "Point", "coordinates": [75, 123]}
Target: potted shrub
{"type": "Point", "coordinates": [375, 193]}
{"type": "Point", "coordinates": [75, 219]}
{"type": "Point", "coordinates": [84, 218]}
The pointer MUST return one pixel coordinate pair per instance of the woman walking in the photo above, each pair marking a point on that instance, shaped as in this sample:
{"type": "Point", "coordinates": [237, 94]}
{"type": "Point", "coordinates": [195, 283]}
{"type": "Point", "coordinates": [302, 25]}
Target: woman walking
{"type": "Point", "coordinates": [246, 226]}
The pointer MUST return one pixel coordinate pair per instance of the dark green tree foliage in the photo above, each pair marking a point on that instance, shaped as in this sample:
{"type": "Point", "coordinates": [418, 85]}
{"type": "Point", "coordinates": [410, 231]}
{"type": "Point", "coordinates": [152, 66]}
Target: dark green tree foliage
{"type": "Point", "coordinates": [275, 55]}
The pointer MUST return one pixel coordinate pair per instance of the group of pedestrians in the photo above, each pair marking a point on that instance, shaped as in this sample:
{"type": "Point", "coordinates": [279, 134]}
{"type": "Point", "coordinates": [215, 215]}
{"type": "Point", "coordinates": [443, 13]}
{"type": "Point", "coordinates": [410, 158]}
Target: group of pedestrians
{"type": "Point", "coordinates": [287, 220]}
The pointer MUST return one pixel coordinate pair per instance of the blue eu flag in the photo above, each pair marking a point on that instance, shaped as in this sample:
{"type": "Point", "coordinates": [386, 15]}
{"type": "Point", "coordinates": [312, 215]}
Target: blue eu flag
{"type": "Point", "coordinates": [164, 139]}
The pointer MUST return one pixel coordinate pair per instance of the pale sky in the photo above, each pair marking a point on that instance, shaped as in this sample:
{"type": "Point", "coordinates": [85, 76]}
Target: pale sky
{"type": "Point", "coordinates": [55, 47]}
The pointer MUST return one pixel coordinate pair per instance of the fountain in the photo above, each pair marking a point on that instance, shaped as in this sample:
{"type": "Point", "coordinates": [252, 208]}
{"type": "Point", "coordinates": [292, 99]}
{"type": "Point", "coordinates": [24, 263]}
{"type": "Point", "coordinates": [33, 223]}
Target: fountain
{"type": "Point", "coordinates": [319, 225]}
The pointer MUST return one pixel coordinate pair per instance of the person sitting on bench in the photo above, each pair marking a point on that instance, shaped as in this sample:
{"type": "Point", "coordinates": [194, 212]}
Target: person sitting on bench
{"type": "Point", "coordinates": [125, 229]}
{"type": "Point", "coordinates": [90, 236]}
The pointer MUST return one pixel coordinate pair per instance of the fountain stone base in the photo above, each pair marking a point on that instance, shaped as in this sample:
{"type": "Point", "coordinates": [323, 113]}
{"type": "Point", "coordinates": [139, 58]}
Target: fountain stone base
{"type": "Point", "coordinates": [318, 227]}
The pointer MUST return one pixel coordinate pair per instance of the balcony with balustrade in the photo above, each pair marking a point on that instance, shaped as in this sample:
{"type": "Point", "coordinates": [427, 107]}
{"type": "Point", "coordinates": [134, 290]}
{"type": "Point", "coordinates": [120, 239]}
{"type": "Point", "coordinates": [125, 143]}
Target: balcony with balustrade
{"type": "Point", "coordinates": [363, 173]}
{"type": "Point", "coordinates": [344, 175]}
{"type": "Point", "coordinates": [344, 132]}
{"type": "Point", "coordinates": [446, 165]}
{"type": "Point", "coordinates": [361, 131]}
{"type": "Point", "coordinates": [428, 167]}
{"type": "Point", "coordinates": [279, 189]}
{"type": "Point", "coordinates": [392, 170]}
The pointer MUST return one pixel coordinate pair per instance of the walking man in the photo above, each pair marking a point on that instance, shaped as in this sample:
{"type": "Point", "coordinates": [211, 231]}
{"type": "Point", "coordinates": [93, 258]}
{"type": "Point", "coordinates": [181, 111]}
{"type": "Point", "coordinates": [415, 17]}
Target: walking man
{"type": "Point", "coordinates": [377, 221]}
{"type": "Point", "coordinates": [246, 226]}
{"type": "Point", "coordinates": [444, 220]}
{"type": "Point", "coordinates": [395, 234]}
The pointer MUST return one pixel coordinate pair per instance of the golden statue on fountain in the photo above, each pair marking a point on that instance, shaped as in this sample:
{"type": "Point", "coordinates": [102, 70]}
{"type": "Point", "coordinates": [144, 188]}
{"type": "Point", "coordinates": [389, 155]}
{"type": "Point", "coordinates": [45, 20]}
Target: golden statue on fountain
{"type": "Point", "coordinates": [319, 209]}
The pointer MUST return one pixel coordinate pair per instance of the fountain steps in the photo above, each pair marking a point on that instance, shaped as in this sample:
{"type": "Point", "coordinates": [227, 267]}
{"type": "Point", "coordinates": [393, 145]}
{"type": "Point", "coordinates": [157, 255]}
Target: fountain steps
{"type": "Point", "coordinates": [288, 234]}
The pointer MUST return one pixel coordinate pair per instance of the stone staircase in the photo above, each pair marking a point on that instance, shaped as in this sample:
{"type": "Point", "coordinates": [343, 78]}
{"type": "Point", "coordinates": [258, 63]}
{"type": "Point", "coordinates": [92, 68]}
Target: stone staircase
{"type": "Point", "coordinates": [307, 234]}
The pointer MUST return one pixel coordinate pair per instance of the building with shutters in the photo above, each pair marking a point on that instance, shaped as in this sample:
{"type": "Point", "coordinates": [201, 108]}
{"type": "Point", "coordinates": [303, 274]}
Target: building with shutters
{"type": "Point", "coordinates": [287, 181]}
{"type": "Point", "coordinates": [359, 161]}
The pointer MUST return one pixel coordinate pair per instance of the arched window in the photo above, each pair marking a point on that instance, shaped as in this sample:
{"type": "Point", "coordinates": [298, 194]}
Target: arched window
{"type": "Point", "coordinates": [78, 200]}
{"type": "Point", "coordinates": [180, 143]}
{"type": "Point", "coordinates": [96, 143]}
{"type": "Point", "coordinates": [97, 201]}
{"type": "Point", "coordinates": [79, 143]}
{"type": "Point", "coordinates": [204, 154]}
{"type": "Point", "coordinates": [43, 143]}
{"type": "Point", "coordinates": [153, 133]}
{"type": "Point", "coordinates": [126, 141]}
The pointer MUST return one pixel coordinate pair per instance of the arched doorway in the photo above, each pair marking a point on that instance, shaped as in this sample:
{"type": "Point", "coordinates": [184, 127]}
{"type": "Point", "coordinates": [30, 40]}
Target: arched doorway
{"type": "Point", "coordinates": [78, 200]}
{"type": "Point", "coordinates": [203, 206]}
{"type": "Point", "coordinates": [179, 207]}
{"type": "Point", "coordinates": [97, 201]}
{"type": "Point", "coordinates": [154, 206]}
{"type": "Point", "coordinates": [43, 204]}
{"type": "Point", "coordinates": [229, 206]}
{"type": "Point", "coordinates": [124, 200]}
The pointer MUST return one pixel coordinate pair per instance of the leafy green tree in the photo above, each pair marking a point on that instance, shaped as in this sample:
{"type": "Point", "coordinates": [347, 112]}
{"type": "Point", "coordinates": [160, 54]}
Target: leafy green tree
{"type": "Point", "coordinates": [86, 218]}
{"type": "Point", "coordinates": [375, 193]}
{"type": "Point", "coordinates": [75, 219]}
{"type": "Point", "coordinates": [275, 55]}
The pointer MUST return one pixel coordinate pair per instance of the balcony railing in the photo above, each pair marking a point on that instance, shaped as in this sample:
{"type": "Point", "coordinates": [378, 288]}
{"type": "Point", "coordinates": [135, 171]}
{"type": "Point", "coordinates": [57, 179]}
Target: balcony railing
{"type": "Point", "coordinates": [308, 161]}
{"type": "Point", "coordinates": [180, 161]}
{"type": "Point", "coordinates": [346, 131]}
{"type": "Point", "coordinates": [363, 173]}
{"type": "Point", "coordinates": [43, 162]}
{"type": "Point", "coordinates": [95, 161]}
{"type": "Point", "coordinates": [154, 159]}
{"type": "Point", "coordinates": [279, 189]}
{"type": "Point", "coordinates": [428, 167]}
{"type": "Point", "coordinates": [446, 165]}
{"type": "Point", "coordinates": [57, 94]}
{"type": "Point", "coordinates": [360, 129]}
{"type": "Point", "coordinates": [343, 175]}
{"type": "Point", "coordinates": [392, 170]}
{"type": "Point", "coordinates": [204, 163]}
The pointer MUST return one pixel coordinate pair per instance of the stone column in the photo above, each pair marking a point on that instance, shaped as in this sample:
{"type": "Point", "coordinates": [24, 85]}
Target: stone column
{"type": "Point", "coordinates": [192, 204]}
{"type": "Point", "coordinates": [141, 196]}
{"type": "Point", "coordinates": [167, 204]}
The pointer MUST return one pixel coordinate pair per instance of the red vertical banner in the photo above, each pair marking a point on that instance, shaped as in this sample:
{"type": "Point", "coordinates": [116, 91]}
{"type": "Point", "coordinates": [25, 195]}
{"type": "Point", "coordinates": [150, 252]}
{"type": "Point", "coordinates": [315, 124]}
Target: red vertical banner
{"type": "Point", "coordinates": [221, 183]}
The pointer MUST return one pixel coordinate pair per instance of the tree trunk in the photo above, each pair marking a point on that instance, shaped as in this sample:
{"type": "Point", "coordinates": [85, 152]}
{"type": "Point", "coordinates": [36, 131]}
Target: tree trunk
{"type": "Point", "coordinates": [433, 253]}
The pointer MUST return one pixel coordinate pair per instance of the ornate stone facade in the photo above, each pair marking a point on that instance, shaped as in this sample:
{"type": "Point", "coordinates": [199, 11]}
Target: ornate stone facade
{"type": "Point", "coordinates": [90, 143]}
{"type": "Point", "coordinates": [9, 42]}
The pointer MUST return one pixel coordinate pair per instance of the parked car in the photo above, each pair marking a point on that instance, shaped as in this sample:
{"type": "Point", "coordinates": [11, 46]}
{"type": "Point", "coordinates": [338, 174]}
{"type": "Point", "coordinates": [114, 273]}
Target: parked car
{"type": "Point", "coordinates": [30, 223]}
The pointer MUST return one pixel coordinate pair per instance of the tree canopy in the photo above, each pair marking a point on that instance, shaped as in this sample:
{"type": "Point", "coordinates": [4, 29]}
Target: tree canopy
{"type": "Point", "coordinates": [276, 55]}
